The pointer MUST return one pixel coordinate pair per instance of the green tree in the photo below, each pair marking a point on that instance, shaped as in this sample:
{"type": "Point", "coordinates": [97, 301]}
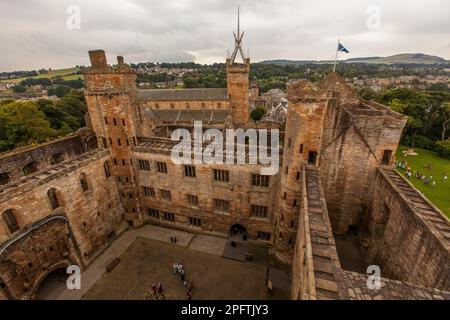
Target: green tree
{"type": "Point", "coordinates": [257, 114]}
{"type": "Point", "coordinates": [19, 88]}
{"type": "Point", "coordinates": [22, 123]}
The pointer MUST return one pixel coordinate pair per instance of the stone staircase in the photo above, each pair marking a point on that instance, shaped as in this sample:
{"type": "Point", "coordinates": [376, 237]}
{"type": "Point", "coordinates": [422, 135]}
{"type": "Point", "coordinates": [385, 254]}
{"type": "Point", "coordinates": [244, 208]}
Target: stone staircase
{"type": "Point", "coordinates": [322, 241]}
{"type": "Point", "coordinates": [438, 224]}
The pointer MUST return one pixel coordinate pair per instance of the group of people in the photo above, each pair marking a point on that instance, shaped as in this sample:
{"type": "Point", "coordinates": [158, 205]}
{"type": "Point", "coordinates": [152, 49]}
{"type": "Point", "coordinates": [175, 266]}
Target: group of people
{"type": "Point", "coordinates": [427, 180]}
{"type": "Point", "coordinates": [155, 293]}
{"type": "Point", "coordinates": [178, 270]}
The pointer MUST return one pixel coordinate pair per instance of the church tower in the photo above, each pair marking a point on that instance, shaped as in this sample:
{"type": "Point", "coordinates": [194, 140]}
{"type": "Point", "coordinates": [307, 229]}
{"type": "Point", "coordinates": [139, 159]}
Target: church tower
{"type": "Point", "coordinates": [238, 80]}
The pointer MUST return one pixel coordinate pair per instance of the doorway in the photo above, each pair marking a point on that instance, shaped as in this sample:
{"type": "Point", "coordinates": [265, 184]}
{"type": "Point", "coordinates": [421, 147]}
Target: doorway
{"type": "Point", "coordinates": [238, 232]}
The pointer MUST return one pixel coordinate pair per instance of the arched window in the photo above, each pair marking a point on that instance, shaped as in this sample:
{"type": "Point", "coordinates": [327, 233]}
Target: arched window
{"type": "Point", "coordinates": [172, 105]}
{"type": "Point", "coordinates": [4, 178]}
{"type": "Point", "coordinates": [83, 182]}
{"type": "Point", "coordinates": [107, 169]}
{"type": "Point", "coordinates": [51, 193]}
{"type": "Point", "coordinates": [57, 158]}
{"type": "Point", "coordinates": [29, 168]}
{"type": "Point", "coordinates": [10, 220]}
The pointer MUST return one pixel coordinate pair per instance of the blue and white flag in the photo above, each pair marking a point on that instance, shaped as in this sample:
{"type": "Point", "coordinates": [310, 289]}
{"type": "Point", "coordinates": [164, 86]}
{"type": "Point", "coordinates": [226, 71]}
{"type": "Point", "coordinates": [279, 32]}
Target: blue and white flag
{"type": "Point", "coordinates": [341, 48]}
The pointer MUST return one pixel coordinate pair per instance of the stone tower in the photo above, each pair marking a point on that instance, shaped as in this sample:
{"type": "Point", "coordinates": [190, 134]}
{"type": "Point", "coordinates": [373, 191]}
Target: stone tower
{"type": "Point", "coordinates": [238, 83]}
{"type": "Point", "coordinates": [110, 92]}
{"type": "Point", "coordinates": [303, 138]}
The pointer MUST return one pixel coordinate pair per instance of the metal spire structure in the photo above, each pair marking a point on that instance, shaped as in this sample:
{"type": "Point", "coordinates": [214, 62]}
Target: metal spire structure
{"type": "Point", "coordinates": [238, 42]}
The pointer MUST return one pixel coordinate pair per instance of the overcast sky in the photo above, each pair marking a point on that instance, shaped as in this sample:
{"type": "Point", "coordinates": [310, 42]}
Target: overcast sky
{"type": "Point", "coordinates": [34, 33]}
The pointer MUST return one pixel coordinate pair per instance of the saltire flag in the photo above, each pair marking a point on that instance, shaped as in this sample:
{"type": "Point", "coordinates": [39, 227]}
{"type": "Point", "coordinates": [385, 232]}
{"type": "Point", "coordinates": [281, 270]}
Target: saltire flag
{"type": "Point", "coordinates": [341, 48]}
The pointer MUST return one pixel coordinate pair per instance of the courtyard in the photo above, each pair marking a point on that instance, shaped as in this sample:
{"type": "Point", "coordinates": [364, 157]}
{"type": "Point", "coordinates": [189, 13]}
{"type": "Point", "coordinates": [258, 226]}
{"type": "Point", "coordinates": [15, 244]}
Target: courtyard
{"type": "Point", "coordinates": [148, 261]}
{"type": "Point", "coordinates": [146, 256]}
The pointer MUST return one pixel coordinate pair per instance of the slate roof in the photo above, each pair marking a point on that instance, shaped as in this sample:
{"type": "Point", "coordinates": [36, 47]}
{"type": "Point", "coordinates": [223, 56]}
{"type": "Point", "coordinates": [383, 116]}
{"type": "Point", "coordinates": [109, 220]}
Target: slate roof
{"type": "Point", "coordinates": [182, 94]}
{"type": "Point", "coordinates": [188, 115]}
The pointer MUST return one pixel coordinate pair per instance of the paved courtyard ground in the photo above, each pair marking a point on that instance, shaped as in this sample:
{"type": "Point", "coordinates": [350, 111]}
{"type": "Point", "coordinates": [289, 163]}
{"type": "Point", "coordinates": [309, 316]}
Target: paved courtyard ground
{"type": "Point", "coordinates": [148, 261]}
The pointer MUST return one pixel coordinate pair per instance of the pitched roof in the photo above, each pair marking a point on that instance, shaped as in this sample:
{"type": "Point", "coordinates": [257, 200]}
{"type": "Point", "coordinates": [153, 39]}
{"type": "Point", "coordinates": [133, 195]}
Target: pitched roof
{"type": "Point", "coordinates": [182, 94]}
{"type": "Point", "coordinates": [188, 115]}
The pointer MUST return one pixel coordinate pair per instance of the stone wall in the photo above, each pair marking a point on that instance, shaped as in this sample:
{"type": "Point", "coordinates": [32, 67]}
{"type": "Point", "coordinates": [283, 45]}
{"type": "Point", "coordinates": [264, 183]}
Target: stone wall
{"type": "Point", "coordinates": [349, 161]}
{"type": "Point", "coordinates": [44, 155]}
{"type": "Point", "coordinates": [239, 191]}
{"type": "Point", "coordinates": [303, 135]}
{"type": "Point", "coordinates": [93, 217]}
{"type": "Point", "coordinates": [400, 237]}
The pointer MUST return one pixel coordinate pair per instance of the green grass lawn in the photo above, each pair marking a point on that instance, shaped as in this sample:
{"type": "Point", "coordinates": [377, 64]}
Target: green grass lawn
{"type": "Point", "coordinates": [65, 73]}
{"type": "Point", "coordinates": [439, 195]}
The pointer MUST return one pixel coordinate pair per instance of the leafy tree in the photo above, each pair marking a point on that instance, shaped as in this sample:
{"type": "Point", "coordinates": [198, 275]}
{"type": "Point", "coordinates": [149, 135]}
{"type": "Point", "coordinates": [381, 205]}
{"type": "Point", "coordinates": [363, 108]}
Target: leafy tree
{"type": "Point", "coordinates": [22, 123]}
{"type": "Point", "coordinates": [257, 114]}
{"type": "Point", "coordinates": [19, 88]}
{"type": "Point", "coordinates": [58, 90]}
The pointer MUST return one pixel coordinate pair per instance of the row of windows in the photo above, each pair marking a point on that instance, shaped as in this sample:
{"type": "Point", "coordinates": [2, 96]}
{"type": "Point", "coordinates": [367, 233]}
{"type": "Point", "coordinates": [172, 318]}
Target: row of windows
{"type": "Point", "coordinates": [10, 218]}
{"type": "Point", "coordinates": [32, 167]}
{"type": "Point", "coordinates": [115, 122]}
{"type": "Point", "coordinates": [220, 205]}
{"type": "Point", "coordinates": [118, 141]}
{"type": "Point", "coordinates": [187, 105]}
{"type": "Point", "coordinates": [170, 217]}
{"type": "Point", "coordinates": [219, 175]}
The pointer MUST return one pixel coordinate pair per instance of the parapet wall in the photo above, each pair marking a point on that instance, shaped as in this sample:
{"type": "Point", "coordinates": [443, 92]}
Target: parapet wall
{"type": "Point", "coordinates": [316, 267]}
{"type": "Point", "coordinates": [406, 235]}
{"type": "Point", "coordinates": [42, 156]}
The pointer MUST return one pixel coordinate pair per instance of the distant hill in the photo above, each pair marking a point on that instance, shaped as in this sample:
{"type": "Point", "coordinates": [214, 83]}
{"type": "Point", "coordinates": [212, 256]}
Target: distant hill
{"type": "Point", "coordinates": [66, 74]}
{"type": "Point", "coordinates": [403, 58]}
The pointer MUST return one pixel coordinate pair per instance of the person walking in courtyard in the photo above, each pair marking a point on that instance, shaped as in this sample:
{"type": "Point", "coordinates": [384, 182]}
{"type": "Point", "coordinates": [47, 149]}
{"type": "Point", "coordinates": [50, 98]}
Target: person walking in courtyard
{"type": "Point", "coordinates": [154, 289]}
{"type": "Point", "coordinates": [189, 294]}
{"type": "Point", "coordinates": [182, 275]}
{"type": "Point", "coordinates": [160, 288]}
{"type": "Point", "coordinates": [185, 284]}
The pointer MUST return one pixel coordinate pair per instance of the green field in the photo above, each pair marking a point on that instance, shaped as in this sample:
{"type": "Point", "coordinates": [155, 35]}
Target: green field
{"type": "Point", "coordinates": [439, 195]}
{"type": "Point", "coordinates": [66, 74]}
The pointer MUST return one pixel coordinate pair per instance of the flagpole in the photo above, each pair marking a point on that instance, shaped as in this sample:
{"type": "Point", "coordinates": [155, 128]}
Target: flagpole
{"type": "Point", "coordinates": [335, 58]}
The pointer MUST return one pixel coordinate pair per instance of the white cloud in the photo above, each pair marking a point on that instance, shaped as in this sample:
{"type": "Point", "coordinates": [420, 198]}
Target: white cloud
{"type": "Point", "coordinates": [34, 33]}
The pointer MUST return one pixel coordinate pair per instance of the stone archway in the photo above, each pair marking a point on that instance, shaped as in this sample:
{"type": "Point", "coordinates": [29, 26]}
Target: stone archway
{"type": "Point", "coordinates": [238, 232]}
{"type": "Point", "coordinates": [51, 284]}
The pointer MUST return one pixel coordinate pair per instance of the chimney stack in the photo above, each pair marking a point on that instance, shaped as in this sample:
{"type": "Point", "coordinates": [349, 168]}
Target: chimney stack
{"type": "Point", "coordinates": [98, 58]}
{"type": "Point", "coordinates": [120, 61]}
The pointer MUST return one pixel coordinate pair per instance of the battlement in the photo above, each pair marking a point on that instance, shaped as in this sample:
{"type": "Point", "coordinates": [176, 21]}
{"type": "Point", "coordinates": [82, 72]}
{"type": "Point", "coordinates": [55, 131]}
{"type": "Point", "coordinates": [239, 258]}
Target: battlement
{"type": "Point", "coordinates": [30, 182]}
{"type": "Point", "coordinates": [305, 91]}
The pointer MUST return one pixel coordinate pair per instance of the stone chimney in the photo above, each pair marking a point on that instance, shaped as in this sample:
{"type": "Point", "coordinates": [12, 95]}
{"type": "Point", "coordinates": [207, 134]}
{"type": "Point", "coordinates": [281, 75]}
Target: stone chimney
{"type": "Point", "coordinates": [120, 61]}
{"type": "Point", "coordinates": [98, 58]}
